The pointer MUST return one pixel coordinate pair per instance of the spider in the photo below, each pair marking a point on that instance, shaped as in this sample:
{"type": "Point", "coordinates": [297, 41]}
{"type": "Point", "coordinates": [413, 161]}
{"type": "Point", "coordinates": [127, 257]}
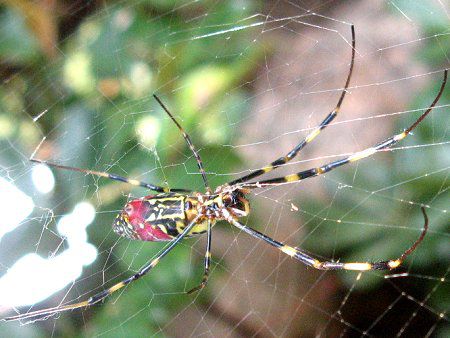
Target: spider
{"type": "Point", "coordinates": [174, 214]}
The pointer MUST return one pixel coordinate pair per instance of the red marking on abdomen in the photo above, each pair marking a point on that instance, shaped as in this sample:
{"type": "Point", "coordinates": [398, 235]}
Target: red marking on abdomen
{"type": "Point", "coordinates": [152, 233]}
{"type": "Point", "coordinates": [145, 230]}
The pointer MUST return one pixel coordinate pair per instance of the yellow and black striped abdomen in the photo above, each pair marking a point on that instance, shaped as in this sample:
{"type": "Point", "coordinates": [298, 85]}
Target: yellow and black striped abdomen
{"type": "Point", "coordinates": [158, 217]}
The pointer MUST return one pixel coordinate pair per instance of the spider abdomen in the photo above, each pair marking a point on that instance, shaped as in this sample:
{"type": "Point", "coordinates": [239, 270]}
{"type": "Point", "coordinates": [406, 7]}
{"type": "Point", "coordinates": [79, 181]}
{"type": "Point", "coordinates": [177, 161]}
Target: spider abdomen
{"type": "Point", "coordinates": [159, 217]}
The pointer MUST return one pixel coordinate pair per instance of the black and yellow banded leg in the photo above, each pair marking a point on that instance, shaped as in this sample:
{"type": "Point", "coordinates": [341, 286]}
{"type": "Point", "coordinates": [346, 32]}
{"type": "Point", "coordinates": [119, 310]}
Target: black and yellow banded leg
{"type": "Point", "coordinates": [189, 143]}
{"type": "Point", "coordinates": [303, 257]}
{"type": "Point", "coordinates": [112, 177]}
{"type": "Point", "coordinates": [311, 136]}
{"type": "Point", "coordinates": [389, 142]}
{"type": "Point", "coordinates": [207, 262]}
{"type": "Point", "coordinates": [97, 298]}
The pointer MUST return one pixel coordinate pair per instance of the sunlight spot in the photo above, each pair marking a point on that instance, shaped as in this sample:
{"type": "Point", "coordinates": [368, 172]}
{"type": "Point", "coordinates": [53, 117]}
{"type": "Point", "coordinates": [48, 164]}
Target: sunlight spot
{"type": "Point", "coordinates": [139, 80]}
{"type": "Point", "coordinates": [78, 73]}
{"type": "Point", "coordinates": [123, 19]}
{"type": "Point", "coordinates": [33, 278]}
{"type": "Point", "coordinates": [43, 178]}
{"type": "Point", "coordinates": [148, 130]}
{"type": "Point", "coordinates": [15, 206]}
{"type": "Point", "coordinates": [6, 127]}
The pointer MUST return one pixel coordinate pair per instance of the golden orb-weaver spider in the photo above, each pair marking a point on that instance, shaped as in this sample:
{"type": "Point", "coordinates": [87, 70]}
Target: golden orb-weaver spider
{"type": "Point", "coordinates": [174, 214]}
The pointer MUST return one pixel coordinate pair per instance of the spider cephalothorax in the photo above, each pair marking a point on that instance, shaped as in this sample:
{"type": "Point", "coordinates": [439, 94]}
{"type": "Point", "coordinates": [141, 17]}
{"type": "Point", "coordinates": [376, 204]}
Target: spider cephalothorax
{"type": "Point", "coordinates": [178, 213]}
{"type": "Point", "coordinates": [237, 203]}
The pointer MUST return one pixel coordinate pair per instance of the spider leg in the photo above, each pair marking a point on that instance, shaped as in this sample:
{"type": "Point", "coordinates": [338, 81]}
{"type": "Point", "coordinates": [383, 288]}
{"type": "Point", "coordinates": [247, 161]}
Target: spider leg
{"type": "Point", "coordinates": [387, 143]}
{"type": "Point", "coordinates": [306, 259]}
{"type": "Point", "coordinates": [311, 136]}
{"type": "Point", "coordinates": [45, 313]}
{"type": "Point", "coordinates": [189, 143]}
{"type": "Point", "coordinates": [112, 177]}
{"type": "Point", "coordinates": [204, 281]}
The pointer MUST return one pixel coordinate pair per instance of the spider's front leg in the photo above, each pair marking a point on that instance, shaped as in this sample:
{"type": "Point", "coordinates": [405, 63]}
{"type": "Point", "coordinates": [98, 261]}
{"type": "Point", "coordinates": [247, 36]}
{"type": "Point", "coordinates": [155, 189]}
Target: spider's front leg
{"type": "Point", "coordinates": [110, 176]}
{"type": "Point", "coordinates": [207, 261]}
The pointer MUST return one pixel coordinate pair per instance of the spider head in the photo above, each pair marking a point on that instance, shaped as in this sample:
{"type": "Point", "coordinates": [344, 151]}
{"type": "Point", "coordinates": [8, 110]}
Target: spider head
{"type": "Point", "coordinates": [236, 203]}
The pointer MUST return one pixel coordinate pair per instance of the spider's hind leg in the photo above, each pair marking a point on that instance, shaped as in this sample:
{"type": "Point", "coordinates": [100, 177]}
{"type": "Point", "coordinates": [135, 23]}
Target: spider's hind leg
{"type": "Point", "coordinates": [306, 259]}
{"type": "Point", "coordinates": [100, 296]}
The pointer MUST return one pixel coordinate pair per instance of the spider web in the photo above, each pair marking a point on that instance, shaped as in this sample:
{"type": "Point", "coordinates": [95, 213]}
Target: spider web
{"type": "Point", "coordinates": [247, 81]}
